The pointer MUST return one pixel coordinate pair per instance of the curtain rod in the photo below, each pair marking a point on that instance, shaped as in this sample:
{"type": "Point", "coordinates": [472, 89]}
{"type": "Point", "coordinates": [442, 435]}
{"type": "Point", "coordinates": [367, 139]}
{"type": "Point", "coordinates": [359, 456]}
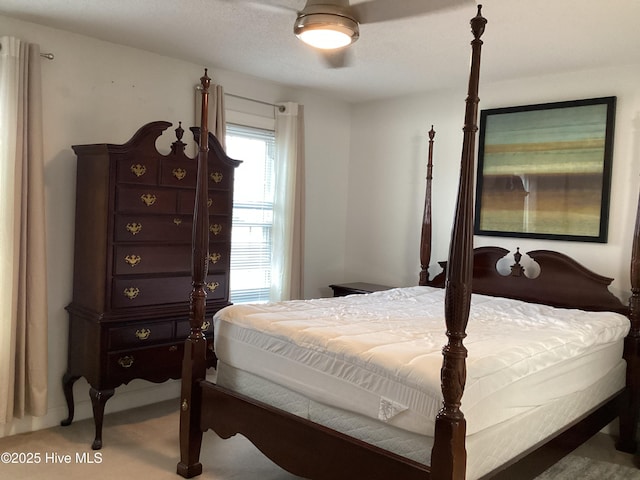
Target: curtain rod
{"type": "Point", "coordinates": [48, 56]}
{"type": "Point", "coordinates": [281, 108]}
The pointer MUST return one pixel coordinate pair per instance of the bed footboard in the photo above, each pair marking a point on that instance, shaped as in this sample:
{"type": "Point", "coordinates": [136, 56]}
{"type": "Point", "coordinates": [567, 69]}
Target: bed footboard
{"type": "Point", "coordinates": [325, 454]}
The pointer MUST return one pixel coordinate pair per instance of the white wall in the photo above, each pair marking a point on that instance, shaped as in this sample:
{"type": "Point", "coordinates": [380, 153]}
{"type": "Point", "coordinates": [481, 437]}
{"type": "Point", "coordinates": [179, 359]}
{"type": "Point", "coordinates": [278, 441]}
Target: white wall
{"type": "Point", "coordinates": [97, 92]}
{"type": "Point", "coordinates": [388, 168]}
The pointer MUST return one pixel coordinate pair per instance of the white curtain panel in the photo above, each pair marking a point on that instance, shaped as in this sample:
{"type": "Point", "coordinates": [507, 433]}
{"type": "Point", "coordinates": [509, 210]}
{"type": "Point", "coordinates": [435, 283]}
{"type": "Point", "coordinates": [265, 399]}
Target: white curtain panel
{"type": "Point", "coordinates": [216, 116]}
{"type": "Point", "coordinates": [23, 289]}
{"type": "Point", "coordinates": [217, 120]}
{"type": "Point", "coordinates": [288, 205]}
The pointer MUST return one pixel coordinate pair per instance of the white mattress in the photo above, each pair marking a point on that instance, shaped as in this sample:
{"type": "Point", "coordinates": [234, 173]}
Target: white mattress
{"type": "Point", "coordinates": [379, 355]}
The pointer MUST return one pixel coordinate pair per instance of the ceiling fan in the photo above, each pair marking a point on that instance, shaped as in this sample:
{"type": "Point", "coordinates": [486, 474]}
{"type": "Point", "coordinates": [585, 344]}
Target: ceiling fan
{"type": "Point", "coordinates": [332, 25]}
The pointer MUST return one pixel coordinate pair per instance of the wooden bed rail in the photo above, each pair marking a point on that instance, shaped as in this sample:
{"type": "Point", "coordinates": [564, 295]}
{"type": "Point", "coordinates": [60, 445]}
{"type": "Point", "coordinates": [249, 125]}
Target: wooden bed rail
{"type": "Point", "coordinates": [448, 456]}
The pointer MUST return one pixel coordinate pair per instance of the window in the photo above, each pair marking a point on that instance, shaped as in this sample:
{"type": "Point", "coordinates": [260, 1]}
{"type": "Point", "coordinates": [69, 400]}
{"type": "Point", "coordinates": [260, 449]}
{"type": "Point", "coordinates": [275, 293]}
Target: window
{"type": "Point", "coordinates": [252, 212]}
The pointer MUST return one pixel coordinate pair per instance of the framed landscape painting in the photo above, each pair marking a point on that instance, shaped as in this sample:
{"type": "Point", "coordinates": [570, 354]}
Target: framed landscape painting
{"type": "Point", "coordinates": [544, 171]}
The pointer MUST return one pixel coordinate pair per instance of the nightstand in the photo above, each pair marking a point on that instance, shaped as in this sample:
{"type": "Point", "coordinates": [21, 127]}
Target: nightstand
{"type": "Point", "coordinates": [343, 289]}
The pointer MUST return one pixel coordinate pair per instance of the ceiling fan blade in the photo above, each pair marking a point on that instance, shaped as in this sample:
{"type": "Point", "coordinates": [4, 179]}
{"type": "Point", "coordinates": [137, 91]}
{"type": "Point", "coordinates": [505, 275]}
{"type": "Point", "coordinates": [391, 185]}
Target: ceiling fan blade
{"type": "Point", "coordinates": [338, 58]}
{"type": "Point", "coordinates": [273, 5]}
{"type": "Point", "coordinates": [374, 11]}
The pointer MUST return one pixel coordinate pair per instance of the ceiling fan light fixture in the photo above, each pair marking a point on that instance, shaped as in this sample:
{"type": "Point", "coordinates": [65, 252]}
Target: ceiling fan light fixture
{"type": "Point", "coordinates": [326, 31]}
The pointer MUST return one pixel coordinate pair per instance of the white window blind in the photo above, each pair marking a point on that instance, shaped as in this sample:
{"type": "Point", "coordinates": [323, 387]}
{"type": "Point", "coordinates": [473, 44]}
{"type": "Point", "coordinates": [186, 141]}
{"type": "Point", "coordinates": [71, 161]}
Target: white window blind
{"type": "Point", "coordinates": [252, 212]}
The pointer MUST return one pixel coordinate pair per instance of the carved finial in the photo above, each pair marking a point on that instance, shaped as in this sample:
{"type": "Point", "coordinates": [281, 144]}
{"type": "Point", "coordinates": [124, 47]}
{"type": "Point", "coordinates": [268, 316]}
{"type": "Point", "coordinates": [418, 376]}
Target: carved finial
{"type": "Point", "coordinates": [478, 23]}
{"type": "Point", "coordinates": [205, 81]}
{"type": "Point", "coordinates": [517, 270]}
{"type": "Point", "coordinates": [432, 133]}
{"type": "Point", "coordinates": [179, 131]}
{"type": "Point", "coordinates": [178, 146]}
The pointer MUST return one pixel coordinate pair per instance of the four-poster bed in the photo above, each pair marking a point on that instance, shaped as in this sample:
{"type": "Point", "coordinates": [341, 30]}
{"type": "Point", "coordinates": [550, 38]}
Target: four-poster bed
{"type": "Point", "coordinates": [260, 348]}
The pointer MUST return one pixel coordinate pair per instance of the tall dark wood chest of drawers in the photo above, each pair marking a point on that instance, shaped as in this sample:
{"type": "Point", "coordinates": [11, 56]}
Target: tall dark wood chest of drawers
{"type": "Point", "coordinates": [129, 315]}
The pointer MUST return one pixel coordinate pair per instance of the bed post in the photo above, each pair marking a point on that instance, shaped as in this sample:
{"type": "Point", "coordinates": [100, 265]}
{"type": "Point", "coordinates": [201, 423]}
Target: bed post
{"type": "Point", "coordinates": [449, 456]}
{"type": "Point", "coordinates": [194, 362]}
{"type": "Point", "coordinates": [425, 237]}
{"type": "Point", "coordinates": [629, 410]}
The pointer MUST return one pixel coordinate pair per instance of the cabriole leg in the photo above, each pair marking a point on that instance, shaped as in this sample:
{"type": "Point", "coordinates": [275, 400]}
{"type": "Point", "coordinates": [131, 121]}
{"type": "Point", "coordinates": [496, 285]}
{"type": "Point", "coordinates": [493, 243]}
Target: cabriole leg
{"type": "Point", "coordinates": [67, 387]}
{"type": "Point", "coordinates": [98, 400]}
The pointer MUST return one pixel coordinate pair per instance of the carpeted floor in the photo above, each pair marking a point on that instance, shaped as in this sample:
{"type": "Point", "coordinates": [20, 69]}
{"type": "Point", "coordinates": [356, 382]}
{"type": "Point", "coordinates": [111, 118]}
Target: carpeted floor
{"type": "Point", "coordinates": [583, 468]}
{"type": "Point", "coordinates": [143, 443]}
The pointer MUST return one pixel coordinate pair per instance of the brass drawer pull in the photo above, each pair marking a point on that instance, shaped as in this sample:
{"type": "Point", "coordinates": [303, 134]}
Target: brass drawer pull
{"type": "Point", "coordinates": [177, 221]}
{"type": "Point", "coordinates": [205, 325]}
{"type": "Point", "coordinates": [216, 228]}
{"type": "Point", "coordinates": [133, 260]}
{"type": "Point", "coordinates": [148, 199]}
{"type": "Point", "coordinates": [126, 361]}
{"type": "Point", "coordinates": [215, 257]}
{"type": "Point", "coordinates": [212, 286]}
{"type": "Point", "coordinates": [138, 170]}
{"type": "Point", "coordinates": [131, 292]}
{"type": "Point", "coordinates": [143, 334]}
{"type": "Point", "coordinates": [173, 348]}
{"type": "Point", "coordinates": [209, 203]}
{"type": "Point", "coordinates": [134, 228]}
{"type": "Point", "coordinates": [179, 173]}
{"type": "Point", "coordinates": [216, 177]}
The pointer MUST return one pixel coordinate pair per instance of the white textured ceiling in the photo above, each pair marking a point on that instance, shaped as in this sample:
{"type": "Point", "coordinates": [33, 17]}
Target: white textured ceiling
{"type": "Point", "coordinates": [390, 58]}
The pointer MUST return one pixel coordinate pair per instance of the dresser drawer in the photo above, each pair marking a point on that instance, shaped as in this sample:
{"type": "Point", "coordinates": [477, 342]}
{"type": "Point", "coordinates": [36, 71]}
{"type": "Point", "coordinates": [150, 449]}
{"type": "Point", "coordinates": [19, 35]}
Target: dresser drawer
{"type": "Point", "coordinates": [219, 256]}
{"type": "Point", "coordinates": [183, 328]}
{"type": "Point", "coordinates": [166, 228]}
{"type": "Point", "coordinates": [147, 200]}
{"type": "Point", "coordinates": [146, 228]}
{"type": "Point", "coordinates": [137, 170]}
{"type": "Point", "coordinates": [220, 177]}
{"type": "Point", "coordinates": [219, 202]}
{"type": "Point", "coordinates": [178, 173]}
{"type": "Point", "coordinates": [141, 334]}
{"type": "Point", "coordinates": [184, 174]}
{"type": "Point", "coordinates": [158, 363]}
{"type": "Point", "coordinates": [143, 291]}
{"type": "Point", "coordinates": [136, 259]}
{"type": "Point", "coordinates": [219, 228]}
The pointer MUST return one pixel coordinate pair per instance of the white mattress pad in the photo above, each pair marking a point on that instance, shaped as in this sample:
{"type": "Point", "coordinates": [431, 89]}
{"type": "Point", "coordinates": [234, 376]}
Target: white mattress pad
{"type": "Point", "coordinates": [380, 354]}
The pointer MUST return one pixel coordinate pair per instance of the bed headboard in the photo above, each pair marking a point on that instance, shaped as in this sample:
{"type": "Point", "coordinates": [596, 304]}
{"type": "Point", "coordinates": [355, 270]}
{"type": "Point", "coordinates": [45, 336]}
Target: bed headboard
{"type": "Point", "coordinates": [561, 282]}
